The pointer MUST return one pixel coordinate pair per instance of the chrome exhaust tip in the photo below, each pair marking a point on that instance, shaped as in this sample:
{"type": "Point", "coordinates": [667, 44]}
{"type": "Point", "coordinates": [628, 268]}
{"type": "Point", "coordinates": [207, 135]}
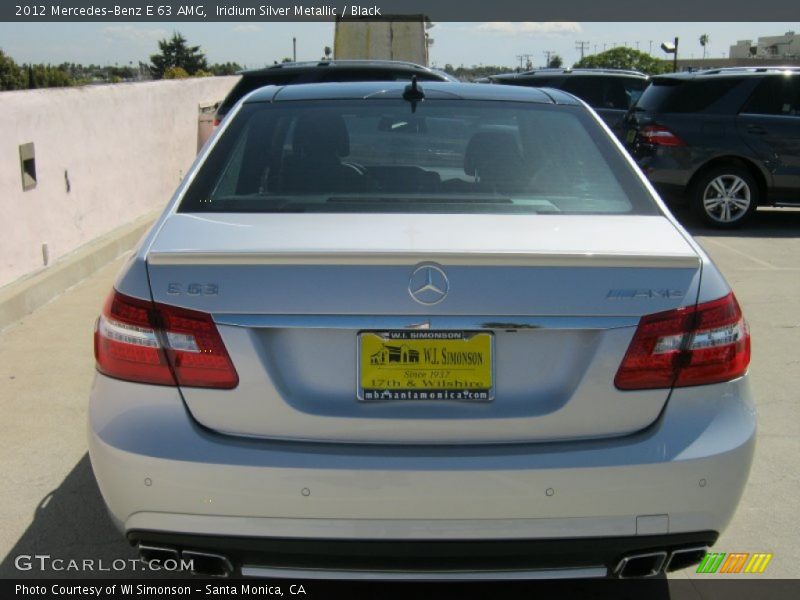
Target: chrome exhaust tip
{"type": "Point", "coordinates": [208, 563]}
{"type": "Point", "coordinates": [148, 553]}
{"type": "Point", "coordinates": [685, 557]}
{"type": "Point", "coordinates": [641, 565]}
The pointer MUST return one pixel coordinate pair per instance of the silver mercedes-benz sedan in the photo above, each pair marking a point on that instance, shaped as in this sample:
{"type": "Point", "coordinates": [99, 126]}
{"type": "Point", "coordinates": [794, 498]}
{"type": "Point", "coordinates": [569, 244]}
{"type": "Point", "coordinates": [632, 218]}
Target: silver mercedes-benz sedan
{"type": "Point", "coordinates": [436, 330]}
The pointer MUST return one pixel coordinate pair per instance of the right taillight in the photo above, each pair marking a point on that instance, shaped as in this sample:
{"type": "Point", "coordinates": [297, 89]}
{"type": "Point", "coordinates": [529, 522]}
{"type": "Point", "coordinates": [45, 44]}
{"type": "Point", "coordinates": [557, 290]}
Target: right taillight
{"type": "Point", "coordinates": [707, 343]}
{"type": "Point", "coordinates": [140, 341]}
{"type": "Point", "coordinates": [659, 135]}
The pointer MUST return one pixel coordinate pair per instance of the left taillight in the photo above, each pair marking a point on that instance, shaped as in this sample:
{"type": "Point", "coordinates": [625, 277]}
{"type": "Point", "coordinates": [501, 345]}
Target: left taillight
{"type": "Point", "coordinates": [142, 341]}
{"type": "Point", "coordinates": [659, 135]}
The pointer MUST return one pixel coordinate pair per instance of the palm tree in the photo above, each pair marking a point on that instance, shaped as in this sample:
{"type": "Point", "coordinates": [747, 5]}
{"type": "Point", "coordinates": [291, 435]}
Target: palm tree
{"type": "Point", "coordinates": [704, 43]}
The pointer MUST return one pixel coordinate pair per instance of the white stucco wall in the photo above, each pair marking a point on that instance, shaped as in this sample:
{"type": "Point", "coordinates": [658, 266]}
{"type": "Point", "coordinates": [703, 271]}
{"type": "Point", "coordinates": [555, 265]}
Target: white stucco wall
{"type": "Point", "coordinates": [123, 147]}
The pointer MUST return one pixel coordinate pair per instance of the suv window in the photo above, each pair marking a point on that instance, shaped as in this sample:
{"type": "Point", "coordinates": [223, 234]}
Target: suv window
{"type": "Point", "coordinates": [685, 96]}
{"type": "Point", "coordinates": [588, 89]}
{"type": "Point", "coordinates": [596, 90]}
{"type": "Point", "coordinates": [446, 157]}
{"type": "Point", "coordinates": [776, 95]}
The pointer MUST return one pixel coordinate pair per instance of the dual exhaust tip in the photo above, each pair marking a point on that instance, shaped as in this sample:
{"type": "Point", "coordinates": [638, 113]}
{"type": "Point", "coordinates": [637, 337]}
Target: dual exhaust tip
{"type": "Point", "coordinates": [643, 565]}
{"type": "Point", "coordinates": [651, 564]}
{"type": "Point", "coordinates": [202, 563]}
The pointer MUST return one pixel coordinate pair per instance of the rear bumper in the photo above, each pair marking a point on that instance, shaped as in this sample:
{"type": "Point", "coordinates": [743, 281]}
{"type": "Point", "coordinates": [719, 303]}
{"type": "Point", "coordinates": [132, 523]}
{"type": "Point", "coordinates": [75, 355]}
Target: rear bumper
{"type": "Point", "coordinates": [428, 559]}
{"type": "Point", "coordinates": [162, 475]}
{"type": "Point", "coordinates": [668, 169]}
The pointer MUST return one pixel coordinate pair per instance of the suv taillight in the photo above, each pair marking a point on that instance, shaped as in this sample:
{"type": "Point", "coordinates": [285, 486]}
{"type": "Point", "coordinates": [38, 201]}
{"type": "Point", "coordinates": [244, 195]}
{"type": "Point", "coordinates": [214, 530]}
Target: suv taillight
{"type": "Point", "coordinates": [707, 343]}
{"type": "Point", "coordinates": [141, 341]}
{"type": "Point", "coordinates": [658, 135]}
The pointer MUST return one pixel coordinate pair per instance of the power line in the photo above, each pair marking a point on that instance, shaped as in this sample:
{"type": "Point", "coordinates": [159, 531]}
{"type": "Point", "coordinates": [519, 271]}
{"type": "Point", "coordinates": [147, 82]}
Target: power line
{"type": "Point", "coordinates": [581, 46]}
{"type": "Point", "coordinates": [524, 60]}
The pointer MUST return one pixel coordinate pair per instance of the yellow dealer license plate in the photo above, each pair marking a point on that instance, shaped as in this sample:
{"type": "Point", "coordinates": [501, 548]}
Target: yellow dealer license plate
{"type": "Point", "coordinates": [425, 365]}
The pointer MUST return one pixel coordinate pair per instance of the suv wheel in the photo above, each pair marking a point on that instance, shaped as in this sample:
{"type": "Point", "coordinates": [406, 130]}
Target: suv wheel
{"type": "Point", "coordinates": [725, 197]}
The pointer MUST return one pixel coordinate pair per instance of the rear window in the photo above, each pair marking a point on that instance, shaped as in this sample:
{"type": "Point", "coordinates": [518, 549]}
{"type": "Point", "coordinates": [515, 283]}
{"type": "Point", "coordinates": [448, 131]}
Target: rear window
{"type": "Point", "coordinates": [684, 96]}
{"type": "Point", "coordinates": [445, 156]}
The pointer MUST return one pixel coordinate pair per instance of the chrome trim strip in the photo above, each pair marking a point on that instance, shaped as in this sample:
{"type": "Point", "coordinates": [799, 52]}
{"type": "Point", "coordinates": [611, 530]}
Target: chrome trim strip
{"type": "Point", "coordinates": [678, 261]}
{"type": "Point", "coordinates": [380, 322]}
{"type": "Point", "coordinates": [289, 573]}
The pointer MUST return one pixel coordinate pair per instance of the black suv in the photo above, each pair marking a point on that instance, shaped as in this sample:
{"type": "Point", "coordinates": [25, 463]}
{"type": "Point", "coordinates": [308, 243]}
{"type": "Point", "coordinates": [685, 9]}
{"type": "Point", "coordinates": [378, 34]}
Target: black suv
{"type": "Point", "coordinates": [293, 73]}
{"type": "Point", "coordinates": [610, 92]}
{"type": "Point", "coordinates": [327, 71]}
{"type": "Point", "coordinates": [725, 140]}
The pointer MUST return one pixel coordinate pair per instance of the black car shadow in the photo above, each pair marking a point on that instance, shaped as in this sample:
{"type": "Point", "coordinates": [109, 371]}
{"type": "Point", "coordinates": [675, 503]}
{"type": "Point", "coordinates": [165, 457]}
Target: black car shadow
{"type": "Point", "coordinates": [71, 524]}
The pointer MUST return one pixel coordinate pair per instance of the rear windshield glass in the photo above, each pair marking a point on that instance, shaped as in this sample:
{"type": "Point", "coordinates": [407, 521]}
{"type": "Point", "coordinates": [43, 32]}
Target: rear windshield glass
{"type": "Point", "coordinates": [684, 96]}
{"type": "Point", "coordinates": [445, 156]}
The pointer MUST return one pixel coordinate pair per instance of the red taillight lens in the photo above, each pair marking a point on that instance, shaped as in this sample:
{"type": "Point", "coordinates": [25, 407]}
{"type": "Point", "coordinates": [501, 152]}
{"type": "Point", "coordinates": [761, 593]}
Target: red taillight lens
{"type": "Point", "coordinates": [195, 349]}
{"type": "Point", "coordinates": [659, 136]}
{"type": "Point", "coordinates": [709, 343]}
{"type": "Point", "coordinates": [216, 122]}
{"type": "Point", "coordinates": [137, 340]}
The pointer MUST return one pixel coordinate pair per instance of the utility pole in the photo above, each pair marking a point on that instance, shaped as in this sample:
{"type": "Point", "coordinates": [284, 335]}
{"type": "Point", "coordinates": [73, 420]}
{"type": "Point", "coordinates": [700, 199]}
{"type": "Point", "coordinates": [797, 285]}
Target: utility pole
{"type": "Point", "coordinates": [294, 49]}
{"type": "Point", "coordinates": [651, 47]}
{"type": "Point", "coordinates": [547, 54]}
{"type": "Point", "coordinates": [581, 46]}
{"type": "Point", "coordinates": [524, 60]}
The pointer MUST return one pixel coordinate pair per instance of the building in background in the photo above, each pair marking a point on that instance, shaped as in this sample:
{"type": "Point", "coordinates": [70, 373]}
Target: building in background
{"type": "Point", "coordinates": [786, 46]}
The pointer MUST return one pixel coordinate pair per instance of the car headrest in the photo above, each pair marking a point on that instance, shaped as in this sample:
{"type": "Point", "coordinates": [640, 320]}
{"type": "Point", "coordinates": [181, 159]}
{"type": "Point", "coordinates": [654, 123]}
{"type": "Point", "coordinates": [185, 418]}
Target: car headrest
{"type": "Point", "coordinates": [492, 154]}
{"type": "Point", "coordinates": [321, 135]}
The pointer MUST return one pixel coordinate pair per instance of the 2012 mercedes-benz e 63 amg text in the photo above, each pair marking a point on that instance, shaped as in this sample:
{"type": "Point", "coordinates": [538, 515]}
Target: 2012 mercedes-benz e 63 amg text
{"type": "Point", "coordinates": [420, 331]}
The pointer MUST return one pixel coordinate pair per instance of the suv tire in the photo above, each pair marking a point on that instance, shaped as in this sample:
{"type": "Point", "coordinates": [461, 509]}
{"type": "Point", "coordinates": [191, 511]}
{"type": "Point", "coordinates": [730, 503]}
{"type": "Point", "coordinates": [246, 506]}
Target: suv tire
{"type": "Point", "coordinates": [725, 197]}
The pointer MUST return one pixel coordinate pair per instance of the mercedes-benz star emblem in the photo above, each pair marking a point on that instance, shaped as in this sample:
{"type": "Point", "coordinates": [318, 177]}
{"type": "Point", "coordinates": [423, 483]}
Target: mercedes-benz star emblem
{"type": "Point", "coordinates": [428, 284]}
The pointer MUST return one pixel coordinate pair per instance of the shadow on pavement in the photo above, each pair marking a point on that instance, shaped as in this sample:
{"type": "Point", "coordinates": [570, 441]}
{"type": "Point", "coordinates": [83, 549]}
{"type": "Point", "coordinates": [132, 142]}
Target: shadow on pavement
{"type": "Point", "coordinates": [71, 523]}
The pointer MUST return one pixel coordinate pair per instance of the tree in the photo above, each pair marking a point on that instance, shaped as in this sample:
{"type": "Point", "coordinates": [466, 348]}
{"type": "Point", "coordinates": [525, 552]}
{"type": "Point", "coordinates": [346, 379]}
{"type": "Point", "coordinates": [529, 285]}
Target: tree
{"type": "Point", "coordinates": [175, 73]}
{"type": "Point", "coordinates": [625, 58]}
{"type": "Point", "coordinates": [228, 68]}
{"type": "Point", "coordinates": [704, 42]}
{"type": "Point", "coordinates": [176, 53]}
{"type": "Point", "coordinates": [45, 76]}
{"type": "Point", "coordinates": [12, 77]}
{"type": "Point", "coordinates": [555, 62]}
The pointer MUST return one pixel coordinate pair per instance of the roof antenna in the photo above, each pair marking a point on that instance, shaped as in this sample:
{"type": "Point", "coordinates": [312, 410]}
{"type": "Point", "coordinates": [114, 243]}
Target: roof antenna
{"type": "Point", "coordinates": [413, 93]}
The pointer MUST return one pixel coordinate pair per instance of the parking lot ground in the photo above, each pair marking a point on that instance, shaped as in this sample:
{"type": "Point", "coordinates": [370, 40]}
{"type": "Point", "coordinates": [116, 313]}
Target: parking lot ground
{"type": "Point", "coordinates": [51, 504]}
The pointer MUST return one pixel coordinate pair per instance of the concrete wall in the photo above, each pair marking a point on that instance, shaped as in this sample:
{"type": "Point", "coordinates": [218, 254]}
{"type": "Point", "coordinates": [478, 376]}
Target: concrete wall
{"type": "Point", "coordinates": [105, 155]}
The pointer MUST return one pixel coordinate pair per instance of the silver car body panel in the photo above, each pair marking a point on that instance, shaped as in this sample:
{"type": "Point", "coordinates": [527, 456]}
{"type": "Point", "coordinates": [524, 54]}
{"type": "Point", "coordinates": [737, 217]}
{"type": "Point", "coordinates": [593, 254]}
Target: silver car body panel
{"type": "Point", "coordinates": [300, 382]}
{"type": "Point", "coordinates": [690, 466]}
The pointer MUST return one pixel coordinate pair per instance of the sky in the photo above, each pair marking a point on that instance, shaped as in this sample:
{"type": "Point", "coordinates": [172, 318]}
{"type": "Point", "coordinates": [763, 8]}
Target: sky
{"type": "Point", "coordinates": [257, 44]}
